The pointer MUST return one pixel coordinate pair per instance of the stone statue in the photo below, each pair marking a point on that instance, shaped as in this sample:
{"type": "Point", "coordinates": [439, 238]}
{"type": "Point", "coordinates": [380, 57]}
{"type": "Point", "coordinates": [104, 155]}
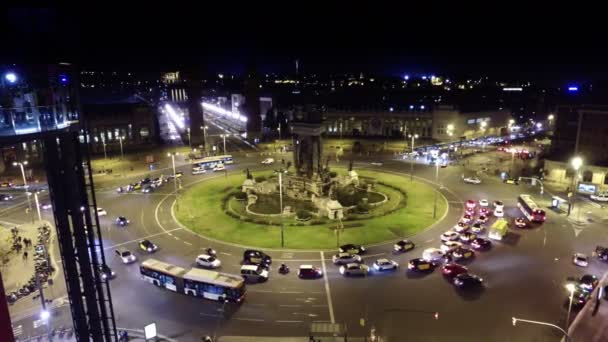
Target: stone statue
{"type": "Point", "coordinates": [350, 165]}
{"type": "Point", "coordinates": [248, 173]}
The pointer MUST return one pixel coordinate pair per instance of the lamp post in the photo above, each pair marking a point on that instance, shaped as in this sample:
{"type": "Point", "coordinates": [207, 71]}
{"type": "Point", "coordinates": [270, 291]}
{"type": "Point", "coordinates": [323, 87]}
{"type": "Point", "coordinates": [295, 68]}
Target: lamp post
{"type": "Point", "coordinates": [437, 182]}
{"type": "Point", "coordinates": [122, 155]}
{"type": "Point", "coordinates": [25, 186]}
{"type": "Point", "coordinates": [279, 130]}
{"type": "Point", "coordinates": [515, 320]}
{"type": "Point", "coordinates": [413, 136]}
{"type": "Point", "coordinates": [576, 162]}
{"type": "Point", "coordinates": [189, 138]}
{"type": "Point", "coordinates": [280, 172]}
{"type": "Point", "coordinates": [204, 128]}
{"type": "Point", "coordinates": [37, 205]}
{"type": "Point", "coordinates": [172, 155]}
{"type": "Point", "coordinates": [570, 288]}
{"type": "Point", "coordinates": [224, 137]}
{"type": "Point", "coordinates": [103, 143]}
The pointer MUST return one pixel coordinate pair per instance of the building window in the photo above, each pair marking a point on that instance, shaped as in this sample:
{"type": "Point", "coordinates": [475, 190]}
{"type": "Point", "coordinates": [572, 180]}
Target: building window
{"type": "Point", "coordinates": [144, 132]}
{"type": "Point", "coordinates": [587, 176]}
{"type": "Point", "coordinates": [471, 121]}
{"type": "Point", "coordinates": [606, 178]}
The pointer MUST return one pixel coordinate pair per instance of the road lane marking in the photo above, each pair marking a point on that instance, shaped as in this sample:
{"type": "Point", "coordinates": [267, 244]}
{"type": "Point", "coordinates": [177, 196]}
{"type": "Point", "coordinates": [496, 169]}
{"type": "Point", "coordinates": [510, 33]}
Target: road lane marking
{"type": "Point", "coordinates": [327, 291]}
{"type": "Point", "coordinates": [291, 292]}
{"type": "Point", "coordinates": [290, 305]}
{"type": "Point", "coordinates": [287, 321]}
{"type": "Point", "coordinates": [187, 243]}
{"type": "Point", "coordinates": [138, 239]}
{"type": "Point", "coordinates": [225, 253]}
{"type": "Point", "coordinates": [249, 319]}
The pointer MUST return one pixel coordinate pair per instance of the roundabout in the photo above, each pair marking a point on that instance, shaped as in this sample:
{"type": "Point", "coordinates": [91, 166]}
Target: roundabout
{"type": "Point", "coordinates": [398, 208]}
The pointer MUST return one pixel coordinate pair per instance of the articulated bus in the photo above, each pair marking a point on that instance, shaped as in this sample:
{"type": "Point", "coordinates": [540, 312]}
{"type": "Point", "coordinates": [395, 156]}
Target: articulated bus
{"type": "Point", "coordinates": [194, 282]}
{"type": "Point", "coordinates": [201, 165]}
{"type": "Point", "coordinates": [529, 208]}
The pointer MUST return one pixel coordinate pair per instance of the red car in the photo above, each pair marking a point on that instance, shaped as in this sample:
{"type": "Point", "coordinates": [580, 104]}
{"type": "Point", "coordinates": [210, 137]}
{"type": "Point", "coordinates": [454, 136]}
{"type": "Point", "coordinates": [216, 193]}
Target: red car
{"type": "Point", "coordinates": [451, 270]}
{"type": "Point", "coordinates": [470, 204]}
{"type": "Point", "coordinates": [484, 211]}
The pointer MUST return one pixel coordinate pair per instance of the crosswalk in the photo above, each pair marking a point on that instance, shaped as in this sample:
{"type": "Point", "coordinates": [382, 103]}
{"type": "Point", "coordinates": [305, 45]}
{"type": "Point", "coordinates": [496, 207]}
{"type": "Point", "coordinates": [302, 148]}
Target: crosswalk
{"type": "Point", "coordinates": [18, 330]}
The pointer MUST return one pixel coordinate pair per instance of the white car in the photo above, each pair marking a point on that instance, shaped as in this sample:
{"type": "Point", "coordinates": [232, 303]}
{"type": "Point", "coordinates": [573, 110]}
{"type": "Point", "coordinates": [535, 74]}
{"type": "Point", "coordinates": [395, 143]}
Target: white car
{"type": "Point", "coordinates": [449, 246]}
{"type": "Point", "coordinates": [385, 265]}
{"type": "Point", "coordinates": [268, 161]}
{"type": "Point", "coordinates": [461, 227]}
{"type": "Point", "coordinates": [600, 197]}
{"type": "Point", "coordinates": [219, 167]}
{"type": "Point", "coordinates": [498, 204]}
{"type": "Point", "coordinates": [354, 269]}
{"type": "Point", "coordinates": [477, 227]}
{"type": "Point", "coordinates": [199, 171]}
{"type": "Point", "coordinates": [580, 259]}
{"type": "Point", "coordinates": [472, 180]}
{"type": "Point", "coordinates": [498, 212]}
{"type": "Point", "coordinates": [101, 212]}
{"type": "Point", "coordinates": [345, 258]}
{"type": "Point", "coordinates": [483, 202]}
{"type": "Point", "coordinates": [45, 206]}
{"type": "Point", "coordinates": [432, 254]}
{"type": "Point", "coordinates": [125, 256]}
{"type": "Point", "coordinates": [450, 235]}
{"type": "Point", "coordinates": [208, 261]}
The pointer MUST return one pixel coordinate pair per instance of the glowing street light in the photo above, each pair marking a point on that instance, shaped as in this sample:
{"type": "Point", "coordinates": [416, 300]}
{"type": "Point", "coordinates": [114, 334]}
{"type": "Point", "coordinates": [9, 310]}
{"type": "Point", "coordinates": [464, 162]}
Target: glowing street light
{"type": "Point", "coordinates": [483, 124]}
{"type": "Point", "coordinates": [576, 162]}
{"type": "Point", "coordinates": [551, 117]}
{"type": "Point", "coordinates": [25, 186]}
{"type": "Point", "coordinates": [172, 155]}
{"type": "Point", "coordinates": [413, 136]}
{"type": "Point", "coordinates": [570, 287]}
{"type": "Point", "coordinates": [515, 320]}
{"type": "Point", "coordinates": [10, 77]}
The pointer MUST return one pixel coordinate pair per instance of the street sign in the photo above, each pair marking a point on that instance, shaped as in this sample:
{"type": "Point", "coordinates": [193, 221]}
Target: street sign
{"type": "Point", "coordinates": [150, 331]}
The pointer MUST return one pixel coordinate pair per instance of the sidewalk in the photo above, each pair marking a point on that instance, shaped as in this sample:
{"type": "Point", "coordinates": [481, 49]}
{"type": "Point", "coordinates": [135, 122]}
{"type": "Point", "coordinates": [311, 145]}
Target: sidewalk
{"type": "Point", "coordinates": [591, 323]}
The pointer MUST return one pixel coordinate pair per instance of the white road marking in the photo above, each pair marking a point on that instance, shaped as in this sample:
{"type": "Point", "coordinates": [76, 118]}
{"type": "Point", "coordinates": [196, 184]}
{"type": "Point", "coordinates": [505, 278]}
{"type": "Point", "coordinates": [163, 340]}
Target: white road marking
{"type": "Point", "coordinates": [371, 256]}
{"type": "Point", "coordinates": [138, 239]}
{"type": "Point", "coordinates": [249, 319]}
{"type": "Point", "coordinates": [209, 315]}
{"type": "Point", "coordinates": [187, 243]}
{"type": "Point", "coordinates": [291, 292]}
{"type": "Point", "coordinates": [259, 291]}
{"type": "Point", "coordinates": [225, 253]}
{"type": "Point", "coordinates": [327, 291]}
{"type": "Point", "coordinates": [429, 241]}
{"type": "Point", "coordinates": [286, 321]}
{"type": "Point", "coordinates": [290, 305]}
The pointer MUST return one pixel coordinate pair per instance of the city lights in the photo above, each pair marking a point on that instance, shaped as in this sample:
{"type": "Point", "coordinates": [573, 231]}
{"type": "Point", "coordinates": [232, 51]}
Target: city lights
{"type": "Point", "coordinates": [11, 77]}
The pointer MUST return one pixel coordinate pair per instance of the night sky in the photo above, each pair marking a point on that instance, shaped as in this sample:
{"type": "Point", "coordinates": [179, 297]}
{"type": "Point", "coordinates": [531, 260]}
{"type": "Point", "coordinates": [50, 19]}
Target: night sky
{"type": "Point", "coordinates": [221, 40]}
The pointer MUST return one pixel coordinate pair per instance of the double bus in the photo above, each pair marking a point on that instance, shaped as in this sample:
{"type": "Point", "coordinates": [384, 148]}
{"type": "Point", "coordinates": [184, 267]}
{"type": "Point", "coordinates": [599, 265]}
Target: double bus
{"type": "Point", "coordinates": [194, 282]}
{"type": "Point", "coordinates": [529, 208]}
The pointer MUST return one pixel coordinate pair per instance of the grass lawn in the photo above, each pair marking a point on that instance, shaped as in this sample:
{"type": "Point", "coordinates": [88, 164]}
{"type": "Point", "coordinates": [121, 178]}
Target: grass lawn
{"type": "Point", "coordinates": [200, 210]}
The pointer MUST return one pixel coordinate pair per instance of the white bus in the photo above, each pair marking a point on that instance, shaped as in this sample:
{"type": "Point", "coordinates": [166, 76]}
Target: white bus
{"type": "Point", "coordinates": [194, 282]}
{"type": "Point", "coordinates": [162, 274]}
{"type": "Point", "coordinates": [214, 285]}
{"type": "Point", "coordinates": [224, 159]}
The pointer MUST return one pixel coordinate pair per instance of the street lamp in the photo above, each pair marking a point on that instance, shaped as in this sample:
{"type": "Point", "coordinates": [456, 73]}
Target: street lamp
{"type": "Point", "coordinates": [224, 137]}
{"type": "Point", "coordinates": [278, 129]}
{"type": "Point", "coordinates": [413, 136]}
{"type": "Point", "coordinates": [576, 162]}
{"type": "Point", "coordinates": [437, 183]}
{"type": "Point", "coordinates": [122, 155]}
{"type": "Point", "coordinates": [25, 186]}
{"type": "Point", "coordinates": [189, 138]}
{"type": "Point", "coordinates": [37, 203]}
{"type": "Point", "coordinates": [570, 287]}
{"type": "Point", "coordinates": [515, 320]}
{"type": "Point", "coordinates": [172, 155]}
{"type": "Point", "coordinates": [103, 143]}
{"type": "Point", "coordinates": [280, 173]}
{"type": "Point", "coordinates": [204, 128]}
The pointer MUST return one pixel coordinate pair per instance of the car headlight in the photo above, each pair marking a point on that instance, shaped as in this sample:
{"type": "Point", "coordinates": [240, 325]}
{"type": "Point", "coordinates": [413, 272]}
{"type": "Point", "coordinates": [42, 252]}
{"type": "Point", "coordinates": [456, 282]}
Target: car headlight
{"type": "Point", "coordinates": [376, 267]}
{"type": "Point", "coordinates": [149, 249]}
{"type": "Point", "coordinates": [342, 270]}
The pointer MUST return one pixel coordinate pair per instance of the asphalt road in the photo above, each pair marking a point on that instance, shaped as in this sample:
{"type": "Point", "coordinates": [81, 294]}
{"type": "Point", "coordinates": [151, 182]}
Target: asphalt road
{"type": "Point", "coordinates": [523, 277]}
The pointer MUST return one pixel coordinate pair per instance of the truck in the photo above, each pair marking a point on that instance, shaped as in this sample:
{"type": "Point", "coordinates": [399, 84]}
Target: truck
{"type": "Point", "coordinates": [499, 229]}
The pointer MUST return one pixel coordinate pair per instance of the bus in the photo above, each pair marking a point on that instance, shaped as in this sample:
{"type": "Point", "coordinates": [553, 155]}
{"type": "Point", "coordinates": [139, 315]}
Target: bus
{"type": "Point", "coordinates": [224, 159]}
{"type": "Point", "coordinates": [194, 282]}
{"type": "Point", "coordinates": [214, 285]}
{"type": "Point", "coordinates": [499, 229]}
{"type": "Point", "coordinates": [162, 274]}
{"type": "Point", "coordinates": [529, 208]}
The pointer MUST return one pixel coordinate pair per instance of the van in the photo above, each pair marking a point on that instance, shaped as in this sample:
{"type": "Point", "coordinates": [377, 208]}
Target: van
{"type": "Point", "coordinates": [255, 273]}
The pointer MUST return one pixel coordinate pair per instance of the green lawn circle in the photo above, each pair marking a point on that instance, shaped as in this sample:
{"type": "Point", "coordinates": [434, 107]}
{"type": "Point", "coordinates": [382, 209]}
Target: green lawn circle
{"type": "Point", "coordinates": [200, 210]}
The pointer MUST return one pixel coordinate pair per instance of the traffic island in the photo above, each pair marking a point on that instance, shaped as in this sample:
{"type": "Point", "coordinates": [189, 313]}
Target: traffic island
{"type": "Point", "coordinates": [382, 207]}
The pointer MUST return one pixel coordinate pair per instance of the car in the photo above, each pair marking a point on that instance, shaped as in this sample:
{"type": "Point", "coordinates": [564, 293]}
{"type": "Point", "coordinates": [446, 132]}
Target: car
{"type": "Point", "coordinates": [601, 253]}
{"type": "Point", "coordinates": [403, 246]}
{"type": "Point", "coordinates": [352, 249]}
{"type": "Point", "coordinates": [178, 174]}
{"type": "Point", "coordinates": [602, 197]}
{"type": "Point", "coordinates": [466, 218]}
{"type": "Point", "coordinates": [579, 298]}
{"type": "Point", "coordinates": [513, 181]}
{"type": "Point", "coordinates": [580, 259]}
{"type": "Point", "coordinates": [472, 180]}
{"type": "Point", "coordinates": [6, 197]}
{"type": "Point", "coordinates": [433, 254]}
{"type": "Point", "coordinates": [354, 269]}
{"type": "Point", "coordinates": [484, 211]}
{"type": "Point", "coordinates": [498, 212]}
{"type": "Point", "coordinates": [520, 222]}
{"type": "Point", "coordinates": [255, 257]}
{"type": "Point", "coordinates": [461, 227]}
{"type": "Point", "coordinates": [477, 227]}
{"type": "Point", "coordinates": [483, 202]}
{"type": "Point", "coordinates": [467, 280]}
{"type": "Point", "coordinates": [462, 253]}
{"type": "Point", "coordinates": [498, 204]}
{"type": "Point", "coordinates": [146, 180]}
{"type": "Point", "coordinates": [46, 206]}
{"type": "Point", "coordinates": [470, 204]}
{"type": "Point", "coordinates": [482, 219]}
{"type": "Point", "coordinates": [467, 237]}
{"type": "Point", "coordinates": [136, 186]}
{"type": "Point", "coordinates": [385, 265]}
{"type": "Point", "coordinates": [450, 235]}
{"type": "Point", "coordinates": [101, 212]}
{"type": "Point", "coordinates": [420, 265]}
{"type": "Point", "coordinates": [122, 221]}
{"type": "Point", "coordinates": [148, 246]}
{"type": "Point", "coordinates": [480, 243]}
{"type": "Point", "coordinates": [376, 163]}
{"type": "Point", "coordinates": [147, 189]}
{"type": "Point", "coordinates": [208, 261]}
{"type": "Point", "coordinates": [268, 161]}
{"type": "Point", "coordinates": [589, 282]}
{"type": "Point", "coordinates": [451, 270]}
{"type": "Point", "coordinates": [219, 167]}
{"type": "Point", "coordinates": [256, 273]}
{"type": "Point", "coordinates": [199, 170]}
{"type": "Point", "coordinates": [125, 256]}
{"type": "Point", "coordinates": [106, 272]}
{"type": "Point", "coordinates": [345, 258]}
{"type": "Point", "coordinates": [6, 185]}
{"type": "Point", "coordinates": [449, 246]}
{"type": "Point", "coordinates": [309, 272]}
